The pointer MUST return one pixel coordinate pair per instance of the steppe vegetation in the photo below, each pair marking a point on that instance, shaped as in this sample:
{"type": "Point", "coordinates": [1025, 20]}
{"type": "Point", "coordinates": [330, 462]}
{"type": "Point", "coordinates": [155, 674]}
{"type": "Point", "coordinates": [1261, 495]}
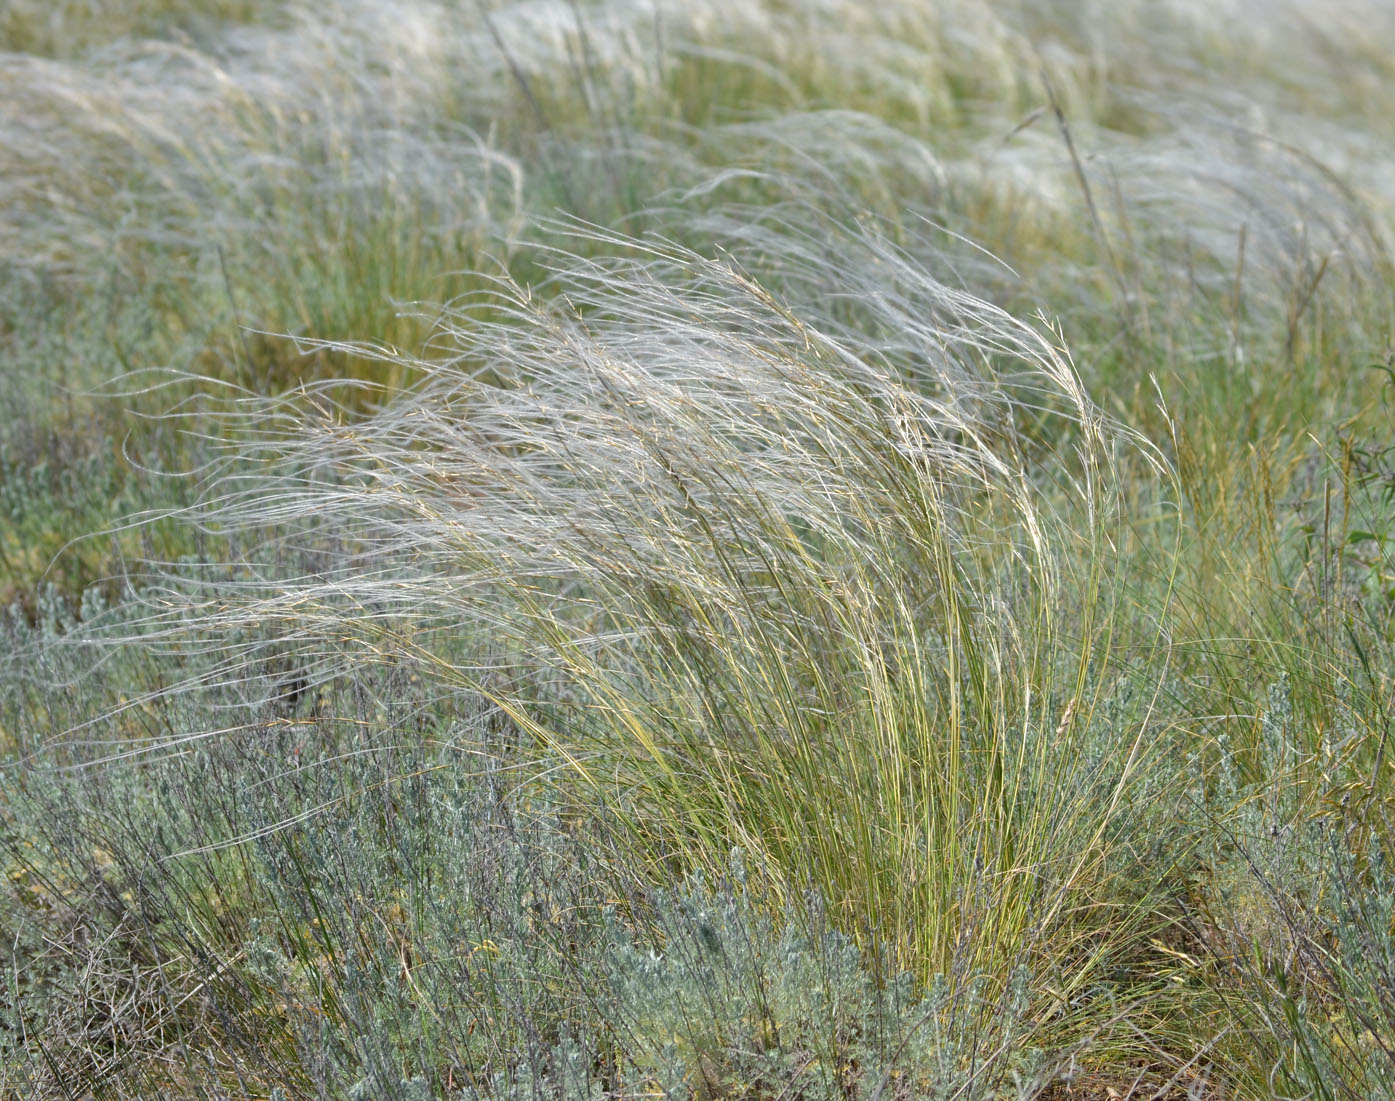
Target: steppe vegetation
{"type": "Point", "coordinates": [589, 549]}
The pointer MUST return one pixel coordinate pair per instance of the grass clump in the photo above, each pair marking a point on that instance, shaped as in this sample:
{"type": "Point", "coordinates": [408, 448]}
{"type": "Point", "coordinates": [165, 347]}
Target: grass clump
{"type": "Point", "coordinates": [746, 550]}
{"type": "Point", "coordinates": [751, 582]}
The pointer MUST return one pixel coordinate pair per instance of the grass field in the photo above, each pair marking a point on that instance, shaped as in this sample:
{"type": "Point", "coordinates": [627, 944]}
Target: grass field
{"type": "Point", "coordinates": [602, 549]}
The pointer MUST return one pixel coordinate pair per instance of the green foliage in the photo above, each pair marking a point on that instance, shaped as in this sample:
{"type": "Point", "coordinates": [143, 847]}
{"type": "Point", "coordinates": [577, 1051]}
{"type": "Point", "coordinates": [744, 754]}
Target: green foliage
{"type": "Point", "coordinates": [1300, 910]}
